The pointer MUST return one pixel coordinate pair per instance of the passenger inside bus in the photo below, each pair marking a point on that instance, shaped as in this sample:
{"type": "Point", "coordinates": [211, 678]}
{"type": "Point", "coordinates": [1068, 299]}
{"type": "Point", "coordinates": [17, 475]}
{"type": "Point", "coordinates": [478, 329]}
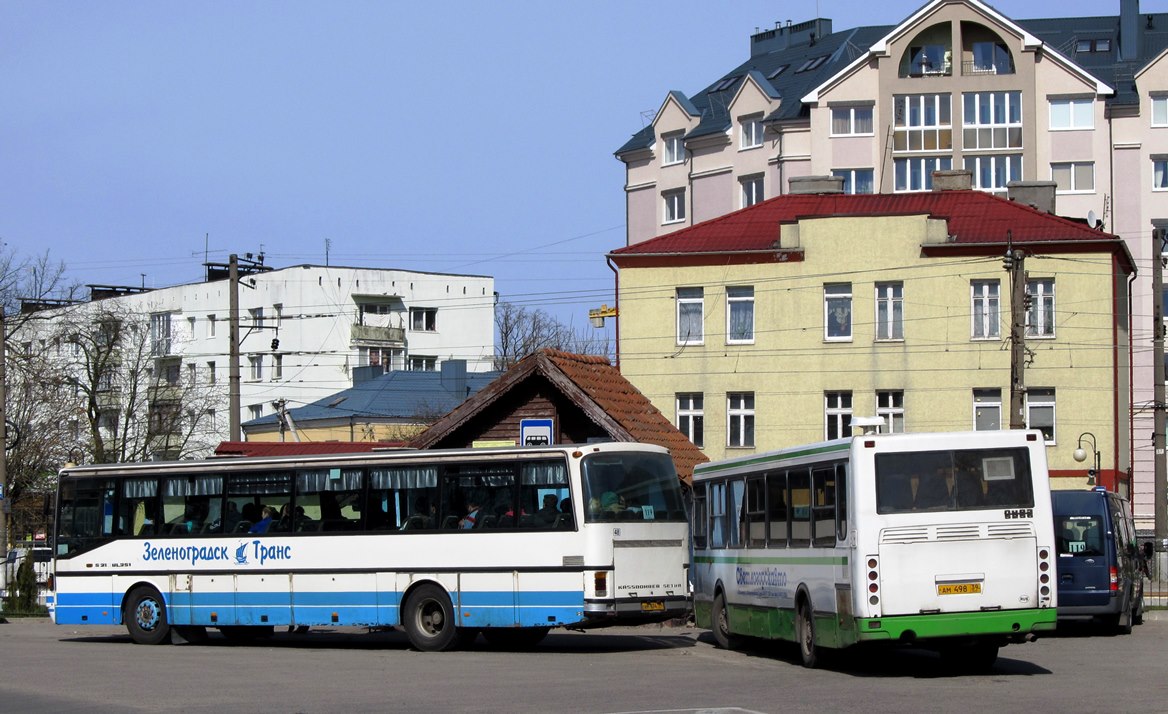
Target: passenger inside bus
{"type": "Point", "coordinates": [473, 513]}
{"type": "Point", "coordinates": [264, 523]}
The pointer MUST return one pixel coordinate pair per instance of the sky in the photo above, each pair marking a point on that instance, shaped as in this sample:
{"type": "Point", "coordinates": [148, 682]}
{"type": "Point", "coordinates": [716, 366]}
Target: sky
{"type": "Point", "coordinates": [140, 139]}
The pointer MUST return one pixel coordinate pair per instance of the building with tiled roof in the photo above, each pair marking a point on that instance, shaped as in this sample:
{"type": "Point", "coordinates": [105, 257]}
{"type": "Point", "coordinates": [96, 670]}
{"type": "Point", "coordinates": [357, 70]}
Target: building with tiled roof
{"type": "Point", "coordinates": [584, 396]}
{"type": "Point", "coordinates": [957, 84]}
{"type": "Point", "coordinates": [775, 325]}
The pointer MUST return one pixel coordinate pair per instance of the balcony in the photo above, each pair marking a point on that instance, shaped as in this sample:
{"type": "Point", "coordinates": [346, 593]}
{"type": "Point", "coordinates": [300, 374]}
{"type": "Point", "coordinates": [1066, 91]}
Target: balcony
{"type": "Point", "coordinates": [372, 334]}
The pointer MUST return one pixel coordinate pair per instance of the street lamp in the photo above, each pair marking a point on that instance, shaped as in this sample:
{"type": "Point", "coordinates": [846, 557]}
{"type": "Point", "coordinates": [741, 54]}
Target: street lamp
{"type": "Point", "coordinates": [1080, 454]}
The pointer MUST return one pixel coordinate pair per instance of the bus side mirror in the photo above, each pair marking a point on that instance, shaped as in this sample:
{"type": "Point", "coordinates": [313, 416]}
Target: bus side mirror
{"type": "Point", "coordinates": [1149, 549]}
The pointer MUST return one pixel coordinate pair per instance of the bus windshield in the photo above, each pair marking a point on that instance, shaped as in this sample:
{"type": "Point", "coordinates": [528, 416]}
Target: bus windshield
{"type": "Point", "coordinates": [953, 480]}
{"type": "Point", "coordinates": [638, 486]}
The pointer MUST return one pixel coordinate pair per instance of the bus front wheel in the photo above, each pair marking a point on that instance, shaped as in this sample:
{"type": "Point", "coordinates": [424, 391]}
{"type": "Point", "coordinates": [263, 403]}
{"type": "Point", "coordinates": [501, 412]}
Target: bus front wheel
{"type": "Point", "coordinates": [145, 616]}
{"type": "Point", "coordinates": [721, 617]}
{"type": "Point", "coordinates": [805, 633]}
{"type": "Point", "coordinates": [428, 618]}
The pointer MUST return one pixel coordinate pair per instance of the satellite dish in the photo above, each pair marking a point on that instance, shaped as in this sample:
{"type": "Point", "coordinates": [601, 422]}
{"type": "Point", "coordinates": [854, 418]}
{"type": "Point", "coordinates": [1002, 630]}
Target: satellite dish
{"type": "Point", "coordinates": [1092, 220]}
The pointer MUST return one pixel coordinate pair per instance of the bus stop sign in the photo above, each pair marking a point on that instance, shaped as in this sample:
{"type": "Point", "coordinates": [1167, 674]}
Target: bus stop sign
{"type": "Point", "coordinates": [535, 432]}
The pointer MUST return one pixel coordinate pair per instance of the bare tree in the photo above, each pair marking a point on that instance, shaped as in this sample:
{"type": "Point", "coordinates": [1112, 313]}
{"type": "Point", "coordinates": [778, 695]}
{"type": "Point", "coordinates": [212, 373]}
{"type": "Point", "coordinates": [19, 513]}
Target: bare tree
{"type": "Point", "coordinates": [520, 331]}
{"type": "Point", "coordinates": [118, 387]}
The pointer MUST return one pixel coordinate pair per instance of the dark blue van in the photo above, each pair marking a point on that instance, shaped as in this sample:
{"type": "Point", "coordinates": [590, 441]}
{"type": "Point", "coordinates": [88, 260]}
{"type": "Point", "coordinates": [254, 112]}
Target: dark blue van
{"type": "Point", "coordinates": [1100, 569]}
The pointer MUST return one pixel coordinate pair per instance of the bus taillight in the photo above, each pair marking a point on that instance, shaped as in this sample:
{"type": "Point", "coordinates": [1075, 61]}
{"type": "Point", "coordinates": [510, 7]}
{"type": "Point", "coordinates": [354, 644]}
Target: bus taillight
{"type": "Point", "coordinates": [873, 581]}
{"type": "Point", "coordinates": [600, 582]}
{"type": "Point", "coordinates": [1044, 567]}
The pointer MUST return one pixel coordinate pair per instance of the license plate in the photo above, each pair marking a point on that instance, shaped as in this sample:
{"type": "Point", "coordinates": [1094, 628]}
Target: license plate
{"type": "Point", "coordinates": [958, 588]}
{"type": "Point", "coordinates": [655, 606]}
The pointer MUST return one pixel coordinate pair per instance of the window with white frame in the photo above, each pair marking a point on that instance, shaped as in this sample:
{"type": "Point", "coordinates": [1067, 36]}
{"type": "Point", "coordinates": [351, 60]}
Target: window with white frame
{"type": "Point", "coordinates": [837, 312]}
{"type": "Point", "coordinates": [1040, 316]}
{"type": "Point", "coordinates": [1160, 111]}
{"type": "Point", "coordinates": [851, 121]}
{"type": "Point", "coordinates": [992, 173]}
{"type": "Point", "coordinates": [916, 173]}
{"type": "Point", "coordinates": [1072, 114]}
{"type": "Point", "coordinates": [984, 296]}
{"type": "Point", "coordinates": [922, 122]}
{"type": "Point", "coordinates": [210, 325]}
{"type": "Point", "coordinates": [890, 405]}
{"type": "Point", "coordinates": [837, 415]}
{"type": "Point", "coordinates": [674, 206]}
{"type": "Point", "coordinates": [856, 180]}
{"type": "Point", "coordinates": [1073, 176]}
{"type": "Point", "coordinates": [674, 148]}
{"type": "Point", "coordinates": [160, 334]}
{"type": "Point", "coordinates": [423, 363]}
{"type": "Point", "coordinates": [255, 410]}
{"type": "Point", "coordinates": [211, 375]}
{"type": "Point", "coordinates": [991, 120]}
{"type": "Point", "coordinates": [987, 409]}
{"type": "Point", "coordinates": [691, 417]}
{"type": "Point", "coordinates": [740, 314]}
{"type": "Point", "coordinates": [257, 366]}
{"type": "Point", "coordinates": [1040, 411]}
{"type": "Point", "coordinates": [750, 132]}
{"type": "Point", "coordinates": [890, 311]}
{"type": "Point", "coordinates": [740, 419]}
{"type": "Point", "coordinates": [1159, 174]}
{"type": "Point", "coordinates": [277, 366]}
{"type": "Point", "coordinates": [257, 317]}
{"type": "Point", "coordinates": [192, 374]}
{"type": "Point", "coordinates": [424, 319]}
{"type": "Point", "coordinates": [690, 309]}
{"type": "Point", "coordinates": [751, 189]}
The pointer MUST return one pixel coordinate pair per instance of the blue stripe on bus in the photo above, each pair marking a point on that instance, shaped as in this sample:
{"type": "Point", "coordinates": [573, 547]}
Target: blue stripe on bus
{"type": "Point", "coordinates": [474, 608]}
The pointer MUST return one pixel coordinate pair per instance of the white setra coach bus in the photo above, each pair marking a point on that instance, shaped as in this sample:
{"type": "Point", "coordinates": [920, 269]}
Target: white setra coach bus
{"type": "Point", "coordinates": [444, 544]}
{"type": "Point", "coordinates": [942, 540]}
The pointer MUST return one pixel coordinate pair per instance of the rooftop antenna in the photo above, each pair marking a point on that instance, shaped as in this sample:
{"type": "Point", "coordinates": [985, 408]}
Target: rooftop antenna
{"type": "Point", "coordinates": [143, 280]}
{"type": "Point", "coordinates": [328, 243]}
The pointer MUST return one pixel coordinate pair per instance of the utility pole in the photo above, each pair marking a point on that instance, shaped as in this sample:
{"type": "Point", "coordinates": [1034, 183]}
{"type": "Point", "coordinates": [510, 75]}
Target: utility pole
{"type": "Point", "coordinates": [233, 347]}
{"type": "Point", "coordinates": [1160, 480]}
{"type": "Point", "coordinates": [1014, 262]}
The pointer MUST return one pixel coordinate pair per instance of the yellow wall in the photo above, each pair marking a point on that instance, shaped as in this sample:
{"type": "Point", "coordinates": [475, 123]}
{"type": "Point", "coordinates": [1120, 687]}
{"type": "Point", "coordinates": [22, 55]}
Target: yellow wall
{"type": "Point", "coordinates": [790, 365]}
{"type": "Point", "coordinates": [358, 432]}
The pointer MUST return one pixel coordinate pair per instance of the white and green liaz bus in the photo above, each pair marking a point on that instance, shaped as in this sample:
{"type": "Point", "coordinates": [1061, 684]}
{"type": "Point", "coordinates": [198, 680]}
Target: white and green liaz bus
{"type": "Point", "coordinates": [942, 540]}
{"type": "Point", "coordinates": [445, 544]}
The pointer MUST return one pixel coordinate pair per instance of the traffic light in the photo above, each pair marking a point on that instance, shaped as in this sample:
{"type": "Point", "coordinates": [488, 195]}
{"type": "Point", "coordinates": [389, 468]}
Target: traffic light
{"type": "Point", "coordinates": [275, 343]}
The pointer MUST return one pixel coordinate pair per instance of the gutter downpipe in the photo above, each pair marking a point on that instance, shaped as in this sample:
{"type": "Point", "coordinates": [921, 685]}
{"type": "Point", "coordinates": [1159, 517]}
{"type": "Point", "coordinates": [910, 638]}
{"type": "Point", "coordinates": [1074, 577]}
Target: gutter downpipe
{"type": "Point", "coordinates": [616, 303]}
{"type": "Point", "coordinates": [1131, 388]}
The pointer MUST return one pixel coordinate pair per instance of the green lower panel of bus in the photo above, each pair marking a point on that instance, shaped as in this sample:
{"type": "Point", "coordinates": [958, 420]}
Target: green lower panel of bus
{"type": "Point", "coordinates": [840, 631]}
{"type": "Point", "coordinates": [770, 623]}
{"type": "Point", "coordinates": [953, 624]}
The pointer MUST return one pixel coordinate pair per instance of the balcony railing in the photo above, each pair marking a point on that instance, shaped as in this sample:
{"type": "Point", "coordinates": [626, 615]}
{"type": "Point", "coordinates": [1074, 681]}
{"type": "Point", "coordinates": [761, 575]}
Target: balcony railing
{"type": "Point", "coordinates": [380, 335]}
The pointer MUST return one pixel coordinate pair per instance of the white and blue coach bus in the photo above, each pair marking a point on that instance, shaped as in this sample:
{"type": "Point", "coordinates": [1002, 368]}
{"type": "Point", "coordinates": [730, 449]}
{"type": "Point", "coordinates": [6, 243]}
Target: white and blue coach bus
{"type": "Point", "coordinates": [444, 544]}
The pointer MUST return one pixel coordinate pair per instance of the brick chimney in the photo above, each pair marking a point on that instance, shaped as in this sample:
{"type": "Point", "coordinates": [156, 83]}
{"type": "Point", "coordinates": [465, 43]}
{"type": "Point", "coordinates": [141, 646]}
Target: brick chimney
{"type": "Point", "coordinates": [953, 180]}
{"type": "Point", "coordinates": [816, 184]}
{"type": "Point", "coordinates": [1037, 194]}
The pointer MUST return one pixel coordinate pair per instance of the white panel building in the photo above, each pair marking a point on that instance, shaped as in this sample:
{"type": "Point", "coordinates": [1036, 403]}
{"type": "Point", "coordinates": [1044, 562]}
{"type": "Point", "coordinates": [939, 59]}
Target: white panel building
{"type": "Point", "coordinates": [303, 330]}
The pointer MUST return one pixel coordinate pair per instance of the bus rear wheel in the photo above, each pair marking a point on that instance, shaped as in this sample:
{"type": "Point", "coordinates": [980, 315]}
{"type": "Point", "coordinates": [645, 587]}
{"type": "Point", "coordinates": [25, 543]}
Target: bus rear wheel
{"type": "Point", "coordinates": [721, 624]}
{"type": "Point", "coordinates": [145, 616]}
{"type": "Point", "coordinates": [805, 633]}
{"type": "Point", "coordinates": [428, 618]}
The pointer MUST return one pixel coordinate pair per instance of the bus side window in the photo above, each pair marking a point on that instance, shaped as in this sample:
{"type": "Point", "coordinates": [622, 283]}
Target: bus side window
{"type": "Point", "coordinates": [841, 502]}
{"type": "Point", "coordinates": [737, 532]}
{"type": "Point", "coordinates": [823, 506]}
{"type": "Point", "coordinates": [756, 513]}
{"type": "Point", "coordinates": [699, 516]}
{"type": "Point", "coordinates": [717, 504]}
{"type": "Point", "coordinates": [799, 496]}
{"type": "Point", "coordinates": [777, 529]}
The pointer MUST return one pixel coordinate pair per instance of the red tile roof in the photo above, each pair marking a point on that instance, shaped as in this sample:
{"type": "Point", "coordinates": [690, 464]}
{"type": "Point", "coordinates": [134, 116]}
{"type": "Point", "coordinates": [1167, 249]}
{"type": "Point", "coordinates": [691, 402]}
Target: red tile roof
{"type": "Point", "coordinates": [626, 404]}
{"type": "Point", "coordinates": [595, 387]}
{"type": "Point", "coordinates": [973, 217]}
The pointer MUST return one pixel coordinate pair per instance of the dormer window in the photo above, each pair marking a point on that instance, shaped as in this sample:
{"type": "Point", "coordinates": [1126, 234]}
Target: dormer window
{"type": "Point", "coordinates": [1093, 46]}
{"type": "Point", "coordinates": [811, 64]}
{"type": "Point", "coordinates": [750, 132]}
{"type": "Point", "coordinates": [674, 149]}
